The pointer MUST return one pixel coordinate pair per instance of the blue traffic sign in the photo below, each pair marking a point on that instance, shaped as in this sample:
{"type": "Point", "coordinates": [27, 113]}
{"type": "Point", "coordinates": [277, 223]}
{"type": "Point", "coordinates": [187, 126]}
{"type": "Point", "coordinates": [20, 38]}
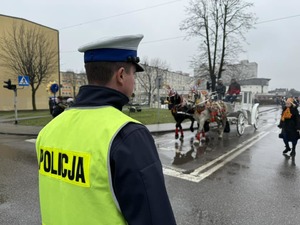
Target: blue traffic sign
{"type": "Point", "coordinates": [23, 80]}
{"type": "Point", "coordinates": [54, 88]}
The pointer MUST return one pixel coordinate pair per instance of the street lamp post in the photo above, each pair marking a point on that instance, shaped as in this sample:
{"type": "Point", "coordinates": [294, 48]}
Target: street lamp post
{"type": "Point", "coordinates": [158, 82]}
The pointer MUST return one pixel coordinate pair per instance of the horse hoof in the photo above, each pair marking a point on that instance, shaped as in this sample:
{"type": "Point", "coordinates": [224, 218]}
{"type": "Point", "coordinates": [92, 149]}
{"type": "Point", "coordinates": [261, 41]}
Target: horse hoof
{"type": "Point", "coordinates": [196, 142]}
{"type": "Point", "coordinates": [181, 138]}
{"type": "Point", "coordinates": [176, 136]}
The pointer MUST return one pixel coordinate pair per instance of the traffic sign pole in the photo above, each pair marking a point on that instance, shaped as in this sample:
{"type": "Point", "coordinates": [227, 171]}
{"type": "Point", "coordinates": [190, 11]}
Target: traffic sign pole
{"type": "Point", "coordinates": [54, 88]}
{"type": "Point", "coordinates": [15, 106]}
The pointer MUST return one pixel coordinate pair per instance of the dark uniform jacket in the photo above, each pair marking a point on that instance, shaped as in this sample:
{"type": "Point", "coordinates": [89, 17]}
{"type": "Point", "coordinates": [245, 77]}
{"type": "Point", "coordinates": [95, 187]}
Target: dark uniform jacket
{"type": "Point", "coordinates": [220, 89]}
{"type": "Point", "coordinates": [136, 169]}
{"type": "Point", "coordinates": [290, 126]}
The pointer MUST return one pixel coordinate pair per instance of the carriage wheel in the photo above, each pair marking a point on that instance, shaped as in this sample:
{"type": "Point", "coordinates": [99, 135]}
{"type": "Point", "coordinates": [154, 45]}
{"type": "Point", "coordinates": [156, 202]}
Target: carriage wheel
{"type": "Point", "coordinates": [240, 125]}
{"type": "Point", "coordinates": [256, 120]}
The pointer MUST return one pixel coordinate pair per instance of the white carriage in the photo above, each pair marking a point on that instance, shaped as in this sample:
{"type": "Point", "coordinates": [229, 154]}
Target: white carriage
{"type": "Point", "coordinates": [243, 111]}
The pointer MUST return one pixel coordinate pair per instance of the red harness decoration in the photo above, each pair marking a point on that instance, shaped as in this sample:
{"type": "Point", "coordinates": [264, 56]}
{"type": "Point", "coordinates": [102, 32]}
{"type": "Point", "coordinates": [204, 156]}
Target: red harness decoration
{"type": "Point", "coordinates": [213, 115]}
{"type": "Point", "coordinates": [200, 109]}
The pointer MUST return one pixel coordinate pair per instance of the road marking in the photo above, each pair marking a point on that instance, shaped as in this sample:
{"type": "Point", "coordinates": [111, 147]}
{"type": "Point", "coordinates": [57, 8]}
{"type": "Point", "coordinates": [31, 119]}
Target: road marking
{"type": "Point", "coordinates": [166, 149]}
{"type": "Point", "coordinates": [31, 140]}
{"type": "Point", "coordinates": [197, 175]}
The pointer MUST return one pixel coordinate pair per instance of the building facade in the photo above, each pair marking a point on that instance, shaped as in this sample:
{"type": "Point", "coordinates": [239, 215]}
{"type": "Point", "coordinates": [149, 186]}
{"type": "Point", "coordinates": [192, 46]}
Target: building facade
{"type": "Point", "coordinates": [241, 71]}
{"type": "Point", "coordinates": [71, 82]}
{"type": "Point", "coordinates": [255, 85]}
{"type": "Point", "coordinates": [24, 94]}
{"type": "Point", "coordinates": [181, 82]}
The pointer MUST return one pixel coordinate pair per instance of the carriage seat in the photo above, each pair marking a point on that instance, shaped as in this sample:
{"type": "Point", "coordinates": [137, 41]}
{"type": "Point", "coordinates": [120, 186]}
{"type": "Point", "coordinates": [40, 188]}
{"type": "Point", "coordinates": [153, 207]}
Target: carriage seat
{"type": "Point", "coordinates": [238, 98]}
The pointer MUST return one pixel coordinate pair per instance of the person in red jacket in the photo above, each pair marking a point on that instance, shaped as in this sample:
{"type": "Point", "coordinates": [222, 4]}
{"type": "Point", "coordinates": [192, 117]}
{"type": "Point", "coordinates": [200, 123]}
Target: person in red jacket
{"type": "Point", "coordinates": [233, 90]}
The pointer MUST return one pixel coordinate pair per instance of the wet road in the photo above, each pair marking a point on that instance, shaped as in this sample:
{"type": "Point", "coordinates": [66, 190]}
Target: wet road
{"type": "Point", "coordinates": [236, 180]}
{"type": "Point", "coordinates": [19, 202]}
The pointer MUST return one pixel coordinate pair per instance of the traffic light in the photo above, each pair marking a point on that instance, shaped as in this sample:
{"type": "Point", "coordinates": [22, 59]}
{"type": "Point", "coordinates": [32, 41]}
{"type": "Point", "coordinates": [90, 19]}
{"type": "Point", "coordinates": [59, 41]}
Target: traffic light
{"type": "Point", "coordinates": [9, 85]}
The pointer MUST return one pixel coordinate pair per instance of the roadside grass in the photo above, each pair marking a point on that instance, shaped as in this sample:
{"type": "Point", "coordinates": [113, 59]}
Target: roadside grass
{"type": "Point", "coordinates": [146, 116]}
{"type": "Point", "coordinates": [23, 113]}
{"type": "Point", "coordinates": [151, 116]}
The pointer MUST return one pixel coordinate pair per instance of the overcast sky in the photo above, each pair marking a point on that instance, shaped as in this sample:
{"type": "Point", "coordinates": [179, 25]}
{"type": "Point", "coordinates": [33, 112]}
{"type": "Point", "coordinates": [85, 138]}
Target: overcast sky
{"type": "Point", "coordinates": [274, 44]}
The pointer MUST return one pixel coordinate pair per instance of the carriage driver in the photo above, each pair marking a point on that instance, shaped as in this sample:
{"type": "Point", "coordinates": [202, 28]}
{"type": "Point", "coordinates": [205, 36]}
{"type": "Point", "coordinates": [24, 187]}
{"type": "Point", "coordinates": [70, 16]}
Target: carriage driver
{"type": "Point", "coordinates": [233, 90]}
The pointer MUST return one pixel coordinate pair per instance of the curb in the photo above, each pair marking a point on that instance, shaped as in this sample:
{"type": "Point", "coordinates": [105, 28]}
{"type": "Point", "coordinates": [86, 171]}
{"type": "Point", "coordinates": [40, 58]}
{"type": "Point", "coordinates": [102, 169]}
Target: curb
{"type": "Point", "coordinates": [153, 128]}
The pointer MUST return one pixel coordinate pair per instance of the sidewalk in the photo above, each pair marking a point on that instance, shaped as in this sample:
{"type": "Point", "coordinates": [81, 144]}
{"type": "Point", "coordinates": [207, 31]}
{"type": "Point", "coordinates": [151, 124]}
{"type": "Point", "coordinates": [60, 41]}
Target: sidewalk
{"type": "Point", "coordinates": [15, 129]}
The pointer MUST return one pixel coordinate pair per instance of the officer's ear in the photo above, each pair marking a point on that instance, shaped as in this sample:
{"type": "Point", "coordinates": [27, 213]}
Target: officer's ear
{"type": "Point", "coordinates": [120, 75]}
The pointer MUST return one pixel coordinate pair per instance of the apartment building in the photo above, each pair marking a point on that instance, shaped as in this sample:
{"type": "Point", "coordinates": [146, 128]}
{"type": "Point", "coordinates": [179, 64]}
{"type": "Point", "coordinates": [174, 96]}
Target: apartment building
{"type": "Point", "coordinates": [179, 81]}
{"type": "Point", "coordinates": [24, 93]}
{"type": "Point", "coordinates": [71, 82]}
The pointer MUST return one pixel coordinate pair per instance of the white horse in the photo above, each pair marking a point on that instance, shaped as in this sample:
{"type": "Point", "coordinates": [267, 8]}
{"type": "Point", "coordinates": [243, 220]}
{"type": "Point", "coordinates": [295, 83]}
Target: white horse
{"type": "Point", "coordinates": [207, 110]}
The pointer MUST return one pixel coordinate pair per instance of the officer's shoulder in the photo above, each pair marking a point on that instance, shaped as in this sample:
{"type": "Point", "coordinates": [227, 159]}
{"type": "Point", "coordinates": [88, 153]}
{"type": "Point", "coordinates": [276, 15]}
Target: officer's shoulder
{"type": "Point", "coordinates": [131, 126]}
{"type": "Point", "coordinates": [133, 131]}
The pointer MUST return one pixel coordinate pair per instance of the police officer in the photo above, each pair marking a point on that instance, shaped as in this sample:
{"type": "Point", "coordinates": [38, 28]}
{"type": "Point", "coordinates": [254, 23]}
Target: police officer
{"type": "Point", "coordinates": [97, 165]}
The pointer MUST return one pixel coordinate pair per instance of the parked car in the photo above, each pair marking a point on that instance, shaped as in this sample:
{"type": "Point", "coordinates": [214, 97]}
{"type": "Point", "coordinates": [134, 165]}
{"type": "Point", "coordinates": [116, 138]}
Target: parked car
{"type": "Point", "coordinates": [134, 107]}
{"type": "Point", "coordinates": [144, 103]}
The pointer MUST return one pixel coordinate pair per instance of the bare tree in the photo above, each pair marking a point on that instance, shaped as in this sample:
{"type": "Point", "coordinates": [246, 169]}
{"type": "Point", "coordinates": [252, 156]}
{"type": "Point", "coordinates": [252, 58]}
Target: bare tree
{"type": "Point", "coordinates": [221, 26]}
{"type": "Point", "coordinates": [29, 51]}
{"type": "Point", "coordinates": [154, 69]}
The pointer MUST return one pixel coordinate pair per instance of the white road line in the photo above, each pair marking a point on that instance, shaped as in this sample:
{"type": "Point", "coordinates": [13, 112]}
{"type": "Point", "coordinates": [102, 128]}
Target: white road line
{"type": "Point", "coordinates": [225, 155]}
{"type": "Point", "coordinates": [197, 176]}
{"type": "Point", "coordinates": [166, 149]}
{"type": "Point", "coordinates": [31, 140]}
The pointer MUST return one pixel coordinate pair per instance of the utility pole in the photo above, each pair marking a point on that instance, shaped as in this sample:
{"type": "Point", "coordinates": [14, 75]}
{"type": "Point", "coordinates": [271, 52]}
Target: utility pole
{"type": "Point", "coordinates": [15, 106]}
{"type": "Point", "coordinates": [158, 82]}
{"type": "Point", "coordinates": [13, 87]}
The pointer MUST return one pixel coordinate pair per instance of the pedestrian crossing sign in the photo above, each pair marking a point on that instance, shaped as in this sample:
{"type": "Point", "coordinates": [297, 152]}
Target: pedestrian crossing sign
{"type": "Point", "coordinates": [23, 80]}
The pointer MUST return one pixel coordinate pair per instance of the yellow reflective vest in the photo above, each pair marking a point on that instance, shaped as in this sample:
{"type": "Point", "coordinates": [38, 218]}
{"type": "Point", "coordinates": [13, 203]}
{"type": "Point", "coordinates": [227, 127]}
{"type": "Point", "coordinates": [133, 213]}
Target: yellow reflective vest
{"type": "Point", "coordinates": [74, 171]}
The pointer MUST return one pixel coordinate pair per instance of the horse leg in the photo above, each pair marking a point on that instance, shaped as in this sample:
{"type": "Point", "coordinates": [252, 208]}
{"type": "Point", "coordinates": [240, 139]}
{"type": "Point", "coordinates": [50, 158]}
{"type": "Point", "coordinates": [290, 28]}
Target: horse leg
{"type": "Point", "coordinates": [220, 131]}
{"type": "Point", "coordinates": [197, 135]}
{"type": "Point", "coordinates": [178, 124]}
{"type": "Point", "coordinates": [192, 125]}
{"type": "Point", "coordinates": [176, 132]}
{"type": "Point", "coordinates": [200, 132]}
{"type": "Point", "coordinates": [200, 136]}
{"type": "Point", "coordinates": [221, 127]}
{"type": "Point", "coordinates": [181, 132]}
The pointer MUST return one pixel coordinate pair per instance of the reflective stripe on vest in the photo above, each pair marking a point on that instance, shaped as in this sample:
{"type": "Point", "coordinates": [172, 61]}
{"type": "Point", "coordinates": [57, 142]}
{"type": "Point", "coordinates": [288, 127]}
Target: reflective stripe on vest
{"type": "Point", "coordinates": [74, 173]}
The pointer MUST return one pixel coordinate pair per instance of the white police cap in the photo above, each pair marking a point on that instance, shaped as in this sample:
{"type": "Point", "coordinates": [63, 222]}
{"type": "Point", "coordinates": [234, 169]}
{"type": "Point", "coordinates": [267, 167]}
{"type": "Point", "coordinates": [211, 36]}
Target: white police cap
{"type": "Point", "coordinates": [115, 49]}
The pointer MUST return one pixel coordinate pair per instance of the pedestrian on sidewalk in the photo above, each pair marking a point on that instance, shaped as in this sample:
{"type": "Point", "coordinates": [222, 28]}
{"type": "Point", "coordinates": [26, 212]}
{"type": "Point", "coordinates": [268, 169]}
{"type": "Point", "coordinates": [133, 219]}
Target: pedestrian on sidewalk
{"type": "Point", "coordinates": [290, 126]}
{"type": "Point", "coordinates": [59, 107]}
{"type": "Point", "coordinates": [96, 164]}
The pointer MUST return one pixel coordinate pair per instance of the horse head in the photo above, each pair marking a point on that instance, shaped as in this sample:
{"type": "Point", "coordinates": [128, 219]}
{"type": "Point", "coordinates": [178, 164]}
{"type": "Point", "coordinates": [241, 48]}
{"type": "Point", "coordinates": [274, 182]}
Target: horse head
{"type": "Point", "coordinates": [174, 99]}
{"type": "Point", "coordinates": [200, 101]}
